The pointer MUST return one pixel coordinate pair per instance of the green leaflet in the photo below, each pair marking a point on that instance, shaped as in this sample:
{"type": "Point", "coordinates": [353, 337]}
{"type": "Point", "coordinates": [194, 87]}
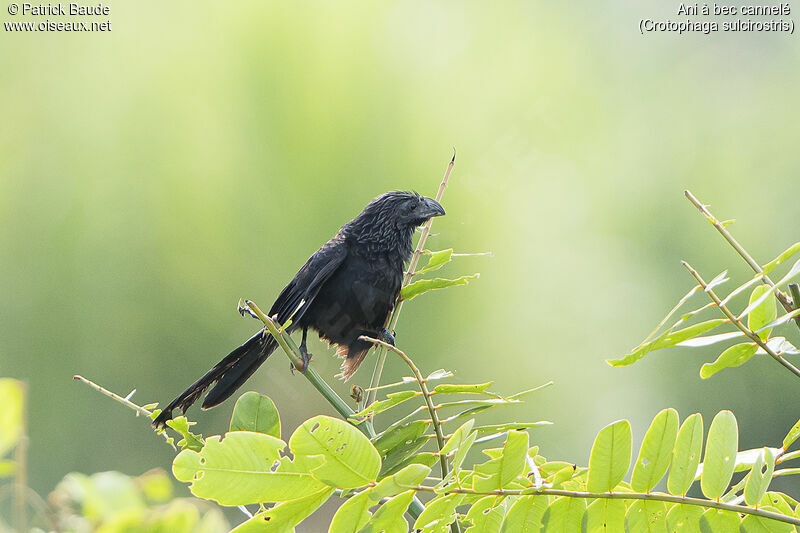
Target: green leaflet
{"type": "Point", "coordinates": [646, 516]}
{"type": "Point", "coordinates": [734, 356]}
{"type": "Point", "coordinates": [389, 516]}
{"type": "Point", "coordinates": [792, 435]}
{"type": "Point", "coordinates": [237, 470]}
{"type": "Point", "coordinates": [718, 521]}
{"type": "Point", "coordinates": [525, 516]}
{"type": "Point", "coordinates": [392, 399]}
{"type": "Point", "coordinates": [439, 514]}
{"type": "Point", "coordinates": [667, 339]}
{"type": "Point", "coordinates": [759, 478]}
{"type": "Point", "coordinates": [424, 285]}
{"type": "Point", "coordinates": [718, 463]}
{"type": "Point", "coordinates": [756, 302]}
{"type": "Point", "coordinates": [285, 516]}
{"type": "Point", "coordinates": [686, 456]}
{"type": "Point", "coordinates": [757, 524]}
{"type": "Point", "coordinates": [190, 441]}
{"type": "Point", "coordinates": [349, 460]}
{"type": "Point", "coordinates": [256, 412]}
{"type": "Point", "coordinates": [782, 257]}
{"type": "Point", "coordinates": [605, 516]}
{"type": "Point", "coordinates": [451, 389]}
{"type": "Point", "coordinates": [564, 515]}
{"type": "Point", "coordinates": [684, 518]}
{"type": "Point", "coordinates": [436, 260]}
{"type": "Point", "coordinates": [353, 514]}
{"type": "Point", "coordinates": [486, 515]}
{"type": "Point", "coordinates": [762, 315]}
{"type": "Point", "coordinates": [656, 452]}
{"type": "Point", "coordinates": [610, 457]}
{"type": "Point", "coordinates": [499, 472]}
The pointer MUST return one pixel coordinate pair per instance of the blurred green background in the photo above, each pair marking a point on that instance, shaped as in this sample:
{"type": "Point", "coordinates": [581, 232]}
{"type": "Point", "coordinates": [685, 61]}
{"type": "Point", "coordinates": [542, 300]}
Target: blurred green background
{"type": "Point", "coordinates": [198, 153]}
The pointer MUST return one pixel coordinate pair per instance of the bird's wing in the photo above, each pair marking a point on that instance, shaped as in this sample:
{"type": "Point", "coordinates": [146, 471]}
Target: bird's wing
{"type": "Point", "coordinates": [309, 279]}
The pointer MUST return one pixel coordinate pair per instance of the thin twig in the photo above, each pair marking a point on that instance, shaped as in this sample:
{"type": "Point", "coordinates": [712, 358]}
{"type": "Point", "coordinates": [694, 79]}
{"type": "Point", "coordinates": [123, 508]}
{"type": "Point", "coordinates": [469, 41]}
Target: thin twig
{"type": "Point", "coordinates": [454, 527]}
{"type": "Point", "coordinates": [738, 323]}
{"type": "Point", "coordinates": [650, 496]}
{"type": "Point", "coordinates": [124, 401]}
{"type": "Point", "coordinates": [780, 295]}
{"type": "Point", "coordinates": [398, 304]}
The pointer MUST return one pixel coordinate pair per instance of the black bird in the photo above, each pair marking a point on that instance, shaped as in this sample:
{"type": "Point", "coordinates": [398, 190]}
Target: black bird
{"type": "Point", "coordinates": [345, 290]}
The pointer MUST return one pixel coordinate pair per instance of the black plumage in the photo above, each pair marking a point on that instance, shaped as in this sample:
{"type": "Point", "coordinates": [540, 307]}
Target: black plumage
{"type": "Point", "coordinates": [347, 289]}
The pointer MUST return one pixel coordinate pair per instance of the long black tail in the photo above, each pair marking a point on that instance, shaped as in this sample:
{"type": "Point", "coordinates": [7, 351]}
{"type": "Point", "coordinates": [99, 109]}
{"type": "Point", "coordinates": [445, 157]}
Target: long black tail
{"type": "Point", "coordinates": [226, 376]}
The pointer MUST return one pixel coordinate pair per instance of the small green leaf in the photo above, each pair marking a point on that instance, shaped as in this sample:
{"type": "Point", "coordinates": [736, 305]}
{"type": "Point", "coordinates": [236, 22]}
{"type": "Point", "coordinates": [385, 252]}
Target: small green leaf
{"type": "Point", "coordinates": [790, 437]}
{"type": "Point", "coordinates": [646, 516]}
{"type": "Point", "coordinates": [439, 513]}
{"type": "Point", "coordinates": [389, 516]}
{"type": "Point", "coordinates": [605, 516]}
{"type": "Point", "coordinates": [610, 457]}
{"type": "Point", "coordinates": [564, 515]}
{"type": "Point", "coordinates": [452, 389]}
{"type": "Point", "coordinates": [436, 260]}
{"type": "Point", "coordinates": [762, 315]}
{"type": "Point", "coordinates": [782, 258]}
{"type": "Point", "coordinates": [285, 516]}
{"type": "Point", "coordinates": [392, 399]}
{"type": "Point", "coordinates": [256, 412]}
{"type": "Point", "coordinates": [497, 473]}
{"type": "Point", "coordinates": [719, 521]}
{"type": "Point", "coordinates": [759, 524]}
{"type": "Point", "coordinates": [686, 457]}
{"type": "Point", "coordinates": [486, 515]}
{"type": "Point", "coordinates": [756, 302]}
{"type": "Point", "coordinates": [349, 458]}
{"type": "Point", "coordinates": [684, 518]}
{"type": "Point", "coordinates": [398, 436]}
{"type": "Point", "coordinates": [732, 357]}
{"type": "Point", "coordinates": [719, 461]}
{"type": "Point", "coordinates": [190, 441]}
{"type": "Point", "coordinates": [759, 478]}
{"type": "Point", "coordinates": [408, 478]}
{"type": "Point", "coordinates": [656, 452]}
{"type": "Point", "coordinates": [424, 285]}
{"type": "Point", "coordinates": [353, 514]}
{"type": "Point", "coordinates": [238, 470]}
{"type": "Point", "coordinates": [666, 340]}
{"type": "Point", "coordinates": [525, 516]}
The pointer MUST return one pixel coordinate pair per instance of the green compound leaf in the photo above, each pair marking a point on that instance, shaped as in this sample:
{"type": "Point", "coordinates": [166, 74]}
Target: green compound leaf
{"type": "Point", "coordinates": [349, 460]}
{"type": "Point", "coordinates": [666, 340]}
{"type": "Point", "coordinates": [389, 517]}
{"type": "Point", "coordinates": [424, 285]}
{"type": "Point", "coordinates": [684, 518]}
{"type": "Point", "coordinates": [605, 516]}
{"type": "Point", "coordinates": [525, 516]}
{"type": "Point", "coordinates": [719, 521]}
{"type": "Point", "coordinates": [610, 457]}
{"type": "Point", "coordinates": [686, 457]}
{"type": "Point", "coordinates": [762, 315]}
{"type": "Point", "coordinates": [285, 516]}
{"type": "Point", "coordinates": [782, 258]}
{"type": "Point", "coordinates": [500, 471]}
{"type": "Point", "coordinates": [238, 470]}
{"type": "Point", "coordinates": [656, 452]}
{"type": "Point", "coordinates": [564, 515]}
{"type": "Point", "coordinates": [759, 478]}
{"type": "Point", "coordinates": [436, 260]}
{"type": "Point", "coordinates": [439, 513]}
{"type": "Point", "coordinates": [646, 516]}
{"type": "Point", "coordinates": [486, 515]}
{"type": "Point", "coordinates": [256, 412]}
{"type": "Point", "coordinates": [720, 458]}
{"type": "Point", "coordinates": [732, 357]}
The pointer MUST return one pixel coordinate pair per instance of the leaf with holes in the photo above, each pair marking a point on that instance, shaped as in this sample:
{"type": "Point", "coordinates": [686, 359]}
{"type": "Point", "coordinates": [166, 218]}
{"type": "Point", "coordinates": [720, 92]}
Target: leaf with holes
{"type": "Point", "coordinates": [760, 476]}
{"type": "Point", "coordinates": [439, 513]}
{"type": "Point", "coordinates": [285, 516]}
{"type": "Point", "coordinates": [241, 469]}
{"type": "Point", "coordinates": [486, 515]}
{"type": "Point", "coordinates": [656, 452]}
{"type": "Point", "coordinates": [684, 518]}
{"type": "Point", "coordinates": [436, 260]}
{"type": "Point", "coordinates": [646, 516]}
{"type": "Point", "coordinates": [256, 412]}
{"type": "Point", "coordinates": [348, 458]}
{"type": "Point", "coordinates": [686, 457]}
{"type": "Point", "coordinates": [719, 461]}
{"type": "Point", "coordinates": [525, 516]}
{"type": "Point", "coordinates": [719, 521]}
{"type": "Point", "coordinates": [610, 457]}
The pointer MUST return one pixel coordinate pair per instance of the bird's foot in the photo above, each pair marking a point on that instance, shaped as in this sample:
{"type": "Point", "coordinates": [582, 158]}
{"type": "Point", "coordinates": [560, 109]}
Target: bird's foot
{"type": "Point", "coordinates": [306, 359]}
{"type": "Point", "coordinates": [244, 309]}
{"type": "Point", "coordinates": [386, 336]}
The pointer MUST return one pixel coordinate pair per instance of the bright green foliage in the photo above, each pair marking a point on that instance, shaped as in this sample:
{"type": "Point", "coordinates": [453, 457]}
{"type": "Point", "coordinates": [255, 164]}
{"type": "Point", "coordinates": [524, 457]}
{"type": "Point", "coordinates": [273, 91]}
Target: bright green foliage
{"type": "Point", "coordinates": [424, 285]}
{"type": "Point", "coordinates": [790, 437]}
{"type": "Point", "coordinates": [686, 456]}
{"type": "Point", "coordinates": [762, 315]}
{"type": "Point", "coordinates": [759, 477]}
{"type": "Point", "coordinates": [757, 524]}
{"type": "Point", "coordinates": [285, 516]}
{"type": "Point", "coordinates": [190, 441]}
{"type": "Point", "coordinates": [238, 470]}
{"type": "Point", "coordinates": [605, 516]}
{"type": "Point", "coordinates": [499, 472]}
{"type": "Point", "coordinates": [436, 260]}
{"type": "Point", "coordinates": [782, 258]}
{"type": "Point", "coordinates": [347, 458]}
{"type": "Point", "coordinates": [719, 521]}
{"type": "Point", "coordinates": [733, 356]}
{"type": "Point", "coordinates": [389, 516]}
{"type": "Point", "coordinates": [256, 412]}
{"type": "Point", "coordinates": [666, 340]}
{"type": "Point", "coordinates": [684, 518]}
{"type": "Point", "coordinates": [564, 515]}
{"type": "Point", "coordinates": [439, 513]}
{"type": "Point", "coordinates": [353, 514]}
{"type": "Point", "coordinates": [656, 452]}
{"type": "Point", "coordinates": [610, 457]}
{"type": "Point", "coordinates": [446, 388]}
{"type": "Point", "coordinates": [719, 460]}
{"type": "Point", "coordinates": [11, 398]}
{"type": "Point", "coordinates": [525, 515]}
{"type": "Point", "coordinates": [646, 517]}
{"type": "Point", "coordinates": [392, 399]}
{"type": "Point", "coordinates": [486, 515]}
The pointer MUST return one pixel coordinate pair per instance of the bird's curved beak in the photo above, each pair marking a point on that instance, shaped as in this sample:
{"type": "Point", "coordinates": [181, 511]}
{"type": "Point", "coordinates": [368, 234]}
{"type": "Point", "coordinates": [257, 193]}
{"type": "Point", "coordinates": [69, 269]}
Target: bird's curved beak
{"type": "Point", "coordinates": [430, 208]}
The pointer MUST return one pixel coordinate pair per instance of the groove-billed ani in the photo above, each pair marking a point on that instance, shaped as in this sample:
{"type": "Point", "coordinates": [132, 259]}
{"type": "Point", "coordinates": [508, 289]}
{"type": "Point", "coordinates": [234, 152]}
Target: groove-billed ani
{"type": "Point", "coordinates": [347, 289]}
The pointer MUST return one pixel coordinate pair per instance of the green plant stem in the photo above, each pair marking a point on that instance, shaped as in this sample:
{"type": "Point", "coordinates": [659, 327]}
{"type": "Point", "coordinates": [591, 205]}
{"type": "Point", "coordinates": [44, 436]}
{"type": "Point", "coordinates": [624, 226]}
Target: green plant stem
{"type": "Point", "coordinates": [375, 381]}
{"type": "Point", "coordinates": [116, 397]}
{"type": "Point", "coordinates": [738, 323]}
{"type": "Point", "coordinates": [794, 288]}
{"type": "Point", "coordinates": [652, 496]}
{"type": "Point", "coordinates": [781, 296]}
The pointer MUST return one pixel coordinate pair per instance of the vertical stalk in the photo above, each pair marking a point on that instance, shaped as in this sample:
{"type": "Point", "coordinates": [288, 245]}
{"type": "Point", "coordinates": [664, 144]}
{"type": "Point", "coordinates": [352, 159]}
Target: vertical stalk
{"type": "Point", "coordinates": [20, 459]}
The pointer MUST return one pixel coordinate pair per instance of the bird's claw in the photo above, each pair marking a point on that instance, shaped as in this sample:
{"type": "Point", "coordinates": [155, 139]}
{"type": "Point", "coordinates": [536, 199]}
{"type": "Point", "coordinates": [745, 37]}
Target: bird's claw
{"type": "Point", "coordinates": [386, 336]}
